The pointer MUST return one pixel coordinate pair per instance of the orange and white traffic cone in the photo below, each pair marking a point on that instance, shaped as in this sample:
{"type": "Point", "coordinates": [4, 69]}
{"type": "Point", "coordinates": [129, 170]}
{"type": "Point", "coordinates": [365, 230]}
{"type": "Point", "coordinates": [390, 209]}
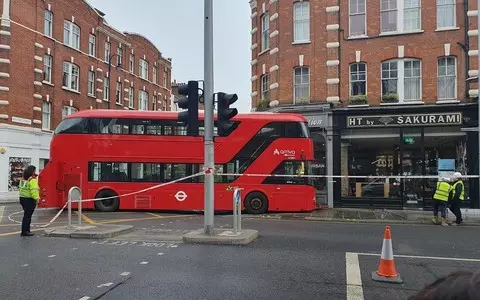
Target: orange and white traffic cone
{"type": "Point", "coordinates": [386, 271]}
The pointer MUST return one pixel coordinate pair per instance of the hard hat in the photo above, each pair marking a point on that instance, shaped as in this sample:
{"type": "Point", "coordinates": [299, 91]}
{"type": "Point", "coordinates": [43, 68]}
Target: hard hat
{"type": "Point", "coordinates": [457, 175]}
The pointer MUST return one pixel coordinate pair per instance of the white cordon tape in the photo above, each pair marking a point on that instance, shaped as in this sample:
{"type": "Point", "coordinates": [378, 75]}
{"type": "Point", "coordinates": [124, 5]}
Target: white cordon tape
{"type": "Point", "coordinates": [105, 198]}
{"type": "Point", "coordinates": [341, 176]}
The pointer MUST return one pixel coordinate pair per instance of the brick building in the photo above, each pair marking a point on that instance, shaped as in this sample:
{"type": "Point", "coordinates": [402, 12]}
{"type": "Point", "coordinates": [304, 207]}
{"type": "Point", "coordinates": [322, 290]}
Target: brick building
{"type": "Point", "coordinates": [387, 86]}
{"type": "Point", "coordinates": [54, 60]}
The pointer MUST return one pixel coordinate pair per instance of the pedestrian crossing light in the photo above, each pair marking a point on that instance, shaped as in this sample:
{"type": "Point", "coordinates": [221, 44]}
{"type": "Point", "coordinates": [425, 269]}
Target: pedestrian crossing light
{"type": "Point", "coordinates": [224, 112]}
{"type": "Point", "coordinates": [189, 101]}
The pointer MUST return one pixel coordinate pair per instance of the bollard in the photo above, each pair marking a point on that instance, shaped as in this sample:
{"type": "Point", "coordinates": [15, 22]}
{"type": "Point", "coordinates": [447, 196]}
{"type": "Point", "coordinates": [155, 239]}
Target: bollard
{"type": "Point", "coordinates": [237, 210]}
{"type": "Point", "coordinates": [74, 194]}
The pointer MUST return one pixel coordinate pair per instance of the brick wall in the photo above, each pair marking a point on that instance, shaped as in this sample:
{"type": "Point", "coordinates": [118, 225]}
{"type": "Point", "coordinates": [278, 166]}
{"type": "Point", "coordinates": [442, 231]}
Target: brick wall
{"type": "Point", "coordinates": [27, 91]}
{"type": "Point", "coordinates": [330, 51]}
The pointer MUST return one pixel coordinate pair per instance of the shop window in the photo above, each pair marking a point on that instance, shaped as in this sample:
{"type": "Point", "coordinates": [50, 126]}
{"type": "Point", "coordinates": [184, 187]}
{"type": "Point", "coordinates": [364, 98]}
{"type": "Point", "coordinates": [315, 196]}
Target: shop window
{"type": "Point", "coordinates": [401, 80]}
{"type": "Point", "coordinates": [358, 79]}
{"type": "Point", "coordinates": [447, 78]}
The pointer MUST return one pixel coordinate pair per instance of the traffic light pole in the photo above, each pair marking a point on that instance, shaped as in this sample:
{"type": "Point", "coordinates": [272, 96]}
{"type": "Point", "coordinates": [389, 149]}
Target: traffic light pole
{"type": "Point", "coordinates": [208, 105]}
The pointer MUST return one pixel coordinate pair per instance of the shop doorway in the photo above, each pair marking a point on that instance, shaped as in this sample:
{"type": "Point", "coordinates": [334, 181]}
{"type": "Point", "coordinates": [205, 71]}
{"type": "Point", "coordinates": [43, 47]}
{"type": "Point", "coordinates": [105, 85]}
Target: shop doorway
{"type": "Point", "coordinates": [318, 167]}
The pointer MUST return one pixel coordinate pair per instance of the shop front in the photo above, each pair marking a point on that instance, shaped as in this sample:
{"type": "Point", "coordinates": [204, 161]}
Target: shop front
{"type": "Point", "coordinates": [403, 141]}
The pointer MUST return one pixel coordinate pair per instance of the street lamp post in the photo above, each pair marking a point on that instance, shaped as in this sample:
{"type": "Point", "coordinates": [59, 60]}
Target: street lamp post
{"type": "Point", "coordinates": [118, 67]}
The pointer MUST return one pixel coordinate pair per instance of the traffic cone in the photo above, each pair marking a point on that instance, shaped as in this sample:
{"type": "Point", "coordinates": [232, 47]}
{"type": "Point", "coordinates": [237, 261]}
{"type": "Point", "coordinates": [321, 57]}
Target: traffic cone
{"type": "Point", "coordinates": [386, 271]}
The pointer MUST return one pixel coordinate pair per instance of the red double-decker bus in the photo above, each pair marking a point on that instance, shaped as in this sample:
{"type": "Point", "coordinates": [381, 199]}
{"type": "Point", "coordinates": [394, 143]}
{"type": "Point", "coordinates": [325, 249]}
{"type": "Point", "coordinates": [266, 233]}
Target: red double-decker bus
{"type": "Point", "coordinates": [110, 153]}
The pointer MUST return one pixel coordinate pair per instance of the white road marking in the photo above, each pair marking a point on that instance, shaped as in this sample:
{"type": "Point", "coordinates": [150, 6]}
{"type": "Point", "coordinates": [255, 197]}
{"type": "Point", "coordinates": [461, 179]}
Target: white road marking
{"type": "Point", "coordinates": [74, 248]}
{"type": "Point", "coordinates": [105, 284]}
{"type": "Point", "coordinates": [53, 255]}
{"type": "Point", "coordinates": [174, 246]}
{"type": "Point", "coordinates": [354, 277]}
{"type": "Point", "coordinates": [84, 298]}
{"type": "Point", "coordinates": [25, 265]}
{"type": "Point", "coordinates": [161, 253]}
{"type": "Point", "coordinates": [125, 274]}
{"type": "Point", "coordinates": [2, 209]}
{"type": "Point", "coordinates": [144, 262]}
{"type": "Point", "coordinates": [425, 257]}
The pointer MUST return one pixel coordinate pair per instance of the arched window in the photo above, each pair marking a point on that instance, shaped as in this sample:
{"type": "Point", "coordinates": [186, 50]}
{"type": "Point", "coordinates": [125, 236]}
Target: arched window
{"type": "Point", "coordinates": [402, 80]}
{"type": "Point", "coordinates": [447, 78]}
{"type": "Point", "coordinates": [301, 84]}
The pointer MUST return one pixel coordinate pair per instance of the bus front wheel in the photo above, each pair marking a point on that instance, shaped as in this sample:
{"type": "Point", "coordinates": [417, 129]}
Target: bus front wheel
{"type": "Point", "coordinates": [107, 205]}
{"type": "Point", "coordinates": [256, 203]}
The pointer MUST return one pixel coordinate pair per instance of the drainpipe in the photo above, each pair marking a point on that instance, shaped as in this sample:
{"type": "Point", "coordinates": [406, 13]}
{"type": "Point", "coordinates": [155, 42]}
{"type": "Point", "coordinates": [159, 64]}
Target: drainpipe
{"type": "Point", "coordinates": [467, 48]}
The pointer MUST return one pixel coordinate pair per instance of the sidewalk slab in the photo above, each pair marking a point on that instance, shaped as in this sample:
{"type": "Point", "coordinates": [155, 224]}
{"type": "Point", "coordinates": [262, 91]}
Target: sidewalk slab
{"type": "Point", "coordinates": [221, 237]}
{"type": "Point", "coordinates": [88, 231]}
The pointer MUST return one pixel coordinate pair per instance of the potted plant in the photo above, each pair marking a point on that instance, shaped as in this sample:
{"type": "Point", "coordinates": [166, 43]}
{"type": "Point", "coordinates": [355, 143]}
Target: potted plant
{"type": "Point", "coordinates": [390, 98]}
{"type": "Point", "coordinates": [263, 105]}
{"type": "Point", "coordinates": [358, 100]}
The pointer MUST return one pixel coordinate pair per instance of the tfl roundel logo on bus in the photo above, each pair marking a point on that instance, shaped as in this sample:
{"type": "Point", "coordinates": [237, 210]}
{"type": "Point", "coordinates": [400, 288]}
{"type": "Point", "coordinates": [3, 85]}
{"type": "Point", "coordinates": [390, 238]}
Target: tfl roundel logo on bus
{"type": "Point", "coordinates": [181, 196]}
{"type": "Point", "coordinates": [284, 152]}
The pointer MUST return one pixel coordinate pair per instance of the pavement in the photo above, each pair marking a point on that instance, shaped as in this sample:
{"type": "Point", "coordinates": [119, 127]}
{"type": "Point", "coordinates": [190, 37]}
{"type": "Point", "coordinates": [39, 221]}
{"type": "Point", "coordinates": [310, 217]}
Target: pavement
{"type": "Point", "coordinates": [292, 259]}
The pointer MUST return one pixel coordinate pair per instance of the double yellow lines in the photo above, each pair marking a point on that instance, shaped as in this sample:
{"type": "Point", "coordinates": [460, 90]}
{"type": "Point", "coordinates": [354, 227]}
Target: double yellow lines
{"type": "Point", "coordinates": [153, 217]}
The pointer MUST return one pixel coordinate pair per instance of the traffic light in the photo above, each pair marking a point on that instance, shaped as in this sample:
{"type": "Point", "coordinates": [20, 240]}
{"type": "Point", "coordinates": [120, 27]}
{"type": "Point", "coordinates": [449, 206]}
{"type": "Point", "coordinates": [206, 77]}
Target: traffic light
{"type": "Point", "coordinates": [189, 101]}
{"type": "Point", "coordinates": [224, 112]}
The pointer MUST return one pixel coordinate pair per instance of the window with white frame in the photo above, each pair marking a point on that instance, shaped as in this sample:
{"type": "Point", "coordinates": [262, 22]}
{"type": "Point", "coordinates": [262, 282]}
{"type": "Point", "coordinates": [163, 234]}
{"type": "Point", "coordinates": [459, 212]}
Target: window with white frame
{"type": "Point", "coordinates": [301, 84]}
{"type": "Point", "coordinates": [130, 97]}
{"type": "Point", "coordinates": [357, 18]}
{"type": "Point", "coordinates": [154, 74]}
{"type": "Point", "coordinates": [47, 68]}
{"type": "Point", "coordinates": [132, 63]}
{"type": "Point", "coordinates": [48, 24]}
{"type": "Point", "coordinates": [91, 83]}
{"type": "Point", "coordinates": [402, 79]}
{"type": "Point", "coordinates": [446, 14]}
{"type": "Point", "coordinates": [71, 76]}
{"type": "Point", "coordinates": [71, 34]}
{"type": "Point", "coordinates": [68, 110]}
{"type": "Point", "coordinates": [447, 78]}
{"type": "Point", "coordinates": [119, 56]}
{"type": "Point", "coordinates": [46, 115]}
{"type": "Point", "coordinates": [118, 93]}
{"type": "Point", "coordinates": [358, 79]}
{"type": "Point", "coordinates": [92, 40]}
{"type": "Point", "coordinates": [301, 21]}
{"type": "Point", "coordinates": [400, 15]}
{"type": "Point", "coordinates": [265, 31]}
{"type": "Point", "coordinates": [143, 69]}
{"type": "Point", "coordinates": [165, 77]}
{"type": "Point", "coordinates": [106, 88]}
{"type": "Point", "coordinates": [265, 86]}
{"type": "Point", "coordinates": [142, 100]}
{"type": "Point", "coordinates": [107, 52]}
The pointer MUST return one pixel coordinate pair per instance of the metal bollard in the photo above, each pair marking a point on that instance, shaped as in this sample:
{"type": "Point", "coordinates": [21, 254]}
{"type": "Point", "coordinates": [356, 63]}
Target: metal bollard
{"type": "Point", "coordinates": [237, 210]}
{"type": "Point", "coordinates": [74, 194]}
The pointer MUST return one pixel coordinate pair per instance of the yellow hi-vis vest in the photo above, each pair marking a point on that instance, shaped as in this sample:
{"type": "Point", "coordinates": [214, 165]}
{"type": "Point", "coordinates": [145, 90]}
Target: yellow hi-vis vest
{"type": "Point", "coordinates": [29, 188]}
{"type": "Point", "coordinates": [462, 194]}
{"type": "Point", "coordinates": [443, 189]}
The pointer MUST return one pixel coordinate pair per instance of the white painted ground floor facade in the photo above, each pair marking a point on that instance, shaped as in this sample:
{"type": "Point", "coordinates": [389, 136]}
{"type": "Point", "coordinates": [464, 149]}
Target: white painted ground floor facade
{"type": "Point", "coordinates": [20, 147]}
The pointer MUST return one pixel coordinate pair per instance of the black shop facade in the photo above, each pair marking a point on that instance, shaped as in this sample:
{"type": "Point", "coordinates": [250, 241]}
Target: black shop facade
{"type": "Point", "coordinates": [420, 140]}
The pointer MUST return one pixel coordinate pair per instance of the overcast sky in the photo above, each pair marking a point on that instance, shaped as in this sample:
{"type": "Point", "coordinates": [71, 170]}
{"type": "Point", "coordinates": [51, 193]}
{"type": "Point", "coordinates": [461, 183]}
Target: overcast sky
{"type": "Point", "coordinates": [176, 28]}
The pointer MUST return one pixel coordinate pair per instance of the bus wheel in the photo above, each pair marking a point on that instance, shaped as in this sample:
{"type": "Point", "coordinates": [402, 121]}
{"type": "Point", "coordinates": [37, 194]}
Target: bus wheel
{"type": "Point", "coordinates": [256, 203]}
{"type": "Point", "coordinates": [107, 205]}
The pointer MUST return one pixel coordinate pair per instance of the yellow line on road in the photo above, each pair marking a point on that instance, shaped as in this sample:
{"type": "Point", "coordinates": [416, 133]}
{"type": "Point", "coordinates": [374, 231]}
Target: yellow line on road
{"type": "Point", "coordinates": [88, 220]}
{"type": "Point", "coordinates": [155, 215]}
{"type": "Point", "coordinates": [15, 232]}
{"type": "Point", "coordinates": [140, 219]}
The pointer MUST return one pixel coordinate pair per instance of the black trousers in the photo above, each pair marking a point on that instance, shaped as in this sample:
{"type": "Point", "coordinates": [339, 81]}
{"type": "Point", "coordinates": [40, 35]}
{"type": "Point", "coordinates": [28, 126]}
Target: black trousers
{"type": "Point", "coordinates": [455, 209]}
{"type": "Point", "coordinates": [28, 205]}
{"type": "Point", "coordinates": [441, 206]}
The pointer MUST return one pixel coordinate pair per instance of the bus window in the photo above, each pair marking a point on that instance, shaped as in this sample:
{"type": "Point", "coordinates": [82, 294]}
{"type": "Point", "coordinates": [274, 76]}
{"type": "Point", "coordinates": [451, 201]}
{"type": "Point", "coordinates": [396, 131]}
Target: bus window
{"type": "Point", "coordinates": [107, 171]}
{"type": "Point", "coordinates": [296, 129]}
{"type": "Point", "coordinates": [288, 167]}
{"type": "Point", "coordinates": [72, 125]}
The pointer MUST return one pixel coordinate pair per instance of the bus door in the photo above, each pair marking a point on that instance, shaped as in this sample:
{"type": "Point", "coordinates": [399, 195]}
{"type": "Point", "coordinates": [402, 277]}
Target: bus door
{"type": "Point", "coordinates": [72, 176]}
{"type": "Point", "coordinates": [289, 191]}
